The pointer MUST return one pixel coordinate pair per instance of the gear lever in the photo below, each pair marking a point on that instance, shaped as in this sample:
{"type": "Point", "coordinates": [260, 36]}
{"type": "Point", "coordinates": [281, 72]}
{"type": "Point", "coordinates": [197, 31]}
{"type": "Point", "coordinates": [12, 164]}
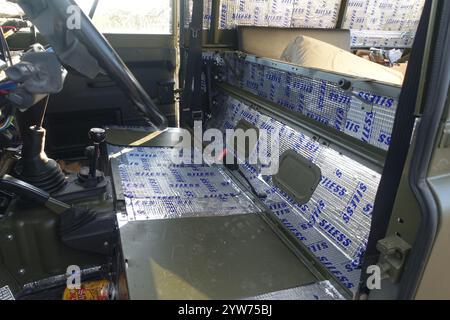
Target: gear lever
{"type": "Point", "coordinates": [97, 136]}
{"type": "Point", "coordinates": [91, 177]}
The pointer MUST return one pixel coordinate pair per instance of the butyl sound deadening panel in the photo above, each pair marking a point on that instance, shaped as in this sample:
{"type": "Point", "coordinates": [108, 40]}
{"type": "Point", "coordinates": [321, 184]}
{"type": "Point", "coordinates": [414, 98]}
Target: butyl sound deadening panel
{"type": "Point", "coordinates": [156, 188]}
{"type": "Point", "coordinates": [6, 294]}
{"type": "Point", "coordinates": [372, 23]}
{"type": "Point", "coordinates": [335, 223]}
{"type": "Point", "coordinates": [269, 13]}
{"type": "Point", "coordinates": [366, 112]}
{"type": "Point", "coordinates": [383, 23]}
{"type": "Point", "coordinates": [316, 291]}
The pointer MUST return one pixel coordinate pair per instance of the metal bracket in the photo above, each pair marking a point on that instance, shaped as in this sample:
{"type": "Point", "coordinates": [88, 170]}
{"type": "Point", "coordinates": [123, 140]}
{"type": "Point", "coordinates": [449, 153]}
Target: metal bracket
{"type": "Point", "coordinates": [394, 252]}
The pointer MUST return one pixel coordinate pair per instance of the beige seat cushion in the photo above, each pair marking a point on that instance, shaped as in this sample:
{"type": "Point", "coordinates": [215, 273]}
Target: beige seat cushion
{"type": "Point", "coordinates": [312, 53]}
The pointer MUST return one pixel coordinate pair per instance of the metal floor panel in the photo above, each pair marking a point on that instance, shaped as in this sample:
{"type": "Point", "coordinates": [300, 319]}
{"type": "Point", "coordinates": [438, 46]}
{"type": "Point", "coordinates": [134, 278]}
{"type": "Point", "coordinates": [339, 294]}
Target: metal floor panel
{"type": "Point", "coordinates": [226, 257]}
{"type": "Point", "coordinates": [190, 232]}
{"type": "Point", "coordinates": [144, 137]}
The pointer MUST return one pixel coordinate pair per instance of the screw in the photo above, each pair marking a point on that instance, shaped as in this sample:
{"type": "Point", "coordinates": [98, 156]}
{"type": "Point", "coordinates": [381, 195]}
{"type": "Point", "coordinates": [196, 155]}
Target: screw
{"type": "Point", "coordinates": [10, 237]}
{"type": "Point", "coordinates": [22, 271]}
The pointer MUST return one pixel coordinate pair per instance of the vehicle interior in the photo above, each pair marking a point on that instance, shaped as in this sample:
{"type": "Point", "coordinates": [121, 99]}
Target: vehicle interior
{"type": "Point", "coordinates": [105, 105]}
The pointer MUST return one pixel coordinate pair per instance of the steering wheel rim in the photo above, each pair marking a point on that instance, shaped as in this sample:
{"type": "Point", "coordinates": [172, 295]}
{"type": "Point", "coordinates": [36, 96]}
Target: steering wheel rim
{"type": "Point", "coordinates": [101, 50]}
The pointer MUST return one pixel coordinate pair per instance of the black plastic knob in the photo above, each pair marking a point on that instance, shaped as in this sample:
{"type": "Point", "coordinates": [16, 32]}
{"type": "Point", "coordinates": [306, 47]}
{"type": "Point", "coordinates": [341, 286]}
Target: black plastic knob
{"type": "Point", "coordinates": [97, 135]}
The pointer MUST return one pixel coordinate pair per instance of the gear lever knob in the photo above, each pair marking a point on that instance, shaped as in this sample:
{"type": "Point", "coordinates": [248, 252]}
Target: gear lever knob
{"type": "Point", "coordinates": [97, 135]}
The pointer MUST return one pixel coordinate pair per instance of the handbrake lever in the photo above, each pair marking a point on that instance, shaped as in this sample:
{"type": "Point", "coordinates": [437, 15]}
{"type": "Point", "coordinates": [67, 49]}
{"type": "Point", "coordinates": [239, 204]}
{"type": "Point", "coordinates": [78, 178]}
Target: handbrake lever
{"type": "Point", "coordinates": [32, 193]}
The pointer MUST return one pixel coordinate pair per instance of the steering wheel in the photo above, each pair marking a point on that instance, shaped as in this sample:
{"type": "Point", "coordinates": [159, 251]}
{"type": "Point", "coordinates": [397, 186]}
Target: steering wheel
{"type": "Point", "coordinates": [84, 48]}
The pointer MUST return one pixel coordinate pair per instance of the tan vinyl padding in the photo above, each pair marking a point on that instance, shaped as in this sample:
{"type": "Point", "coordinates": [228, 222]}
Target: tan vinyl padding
{"type": "Point", "coordinates": [312, 53]}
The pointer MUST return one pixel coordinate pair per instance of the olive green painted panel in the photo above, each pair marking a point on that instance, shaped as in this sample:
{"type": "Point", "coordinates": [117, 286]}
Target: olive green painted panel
{"type": "Point", "coordinates": [227, 257]}
{"type": "Point", "coordinates": [140, 138]}
{"type": "Point", "coordinates": [297, 176]}
{"type": "Point", "coordinates": [30, 248]}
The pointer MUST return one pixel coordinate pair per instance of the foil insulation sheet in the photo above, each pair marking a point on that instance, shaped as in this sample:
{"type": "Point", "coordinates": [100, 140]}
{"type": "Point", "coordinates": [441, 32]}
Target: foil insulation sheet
{"type": "Point", "coordinates": [375, 23]}
{"type": "Point", "coordinates": [6, 294]}
{"type": "Point", "coordinates": [366, 113]}
{"type": "Point", "coordinates": [315, 14]}
{"type": "Point", "coordinates": [335, 223]}
{"type": "Point", "coordinates": [155, 187]}
{"type": "Point", "coordinates": [372, 23]}
{"type": "Point", "coordinates": [207, 13]}
{"type": "Point", "coordinates": [271, 13]}
{"type": "Point", "coordinates": [318, 291]}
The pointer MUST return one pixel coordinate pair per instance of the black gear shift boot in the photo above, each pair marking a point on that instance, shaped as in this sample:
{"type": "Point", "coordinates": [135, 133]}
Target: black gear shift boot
{"type": "Point", "coordinates": [87, 180]}
{"type": "Point", "coordinates": [35, 167]}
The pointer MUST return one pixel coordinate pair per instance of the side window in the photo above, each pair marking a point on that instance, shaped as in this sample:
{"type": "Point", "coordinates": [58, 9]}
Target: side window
{"type": "Point", "coordinates": [131, 16]}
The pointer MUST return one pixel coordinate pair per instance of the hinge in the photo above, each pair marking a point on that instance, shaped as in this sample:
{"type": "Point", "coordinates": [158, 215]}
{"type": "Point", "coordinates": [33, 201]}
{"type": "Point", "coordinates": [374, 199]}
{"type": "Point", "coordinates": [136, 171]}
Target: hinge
{"type": "Point", "coordinates": [393, 255]}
